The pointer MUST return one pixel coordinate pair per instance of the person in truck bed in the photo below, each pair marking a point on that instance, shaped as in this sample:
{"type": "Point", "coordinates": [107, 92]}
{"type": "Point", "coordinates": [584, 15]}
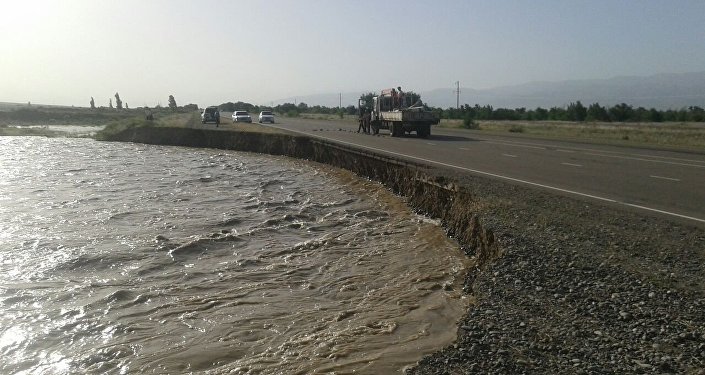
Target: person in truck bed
{"type": "Point", "coordinates": [401, 96]}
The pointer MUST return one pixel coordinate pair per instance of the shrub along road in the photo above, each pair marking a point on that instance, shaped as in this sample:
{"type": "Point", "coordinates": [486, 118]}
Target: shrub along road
{"type": "Point", "coordinates": [653, 181]}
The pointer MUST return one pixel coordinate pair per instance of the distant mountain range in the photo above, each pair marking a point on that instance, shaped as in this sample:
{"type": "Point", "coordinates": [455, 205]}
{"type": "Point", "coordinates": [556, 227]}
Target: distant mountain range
{"type": "Point", "coordinates": [661, 91]}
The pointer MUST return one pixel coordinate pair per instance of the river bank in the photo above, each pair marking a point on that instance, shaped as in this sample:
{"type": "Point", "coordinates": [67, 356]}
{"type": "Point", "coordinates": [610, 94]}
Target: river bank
{"type": "Point", "coordinates": [131, 258]}
{"type": "Point", "coordinates": [561, 285]}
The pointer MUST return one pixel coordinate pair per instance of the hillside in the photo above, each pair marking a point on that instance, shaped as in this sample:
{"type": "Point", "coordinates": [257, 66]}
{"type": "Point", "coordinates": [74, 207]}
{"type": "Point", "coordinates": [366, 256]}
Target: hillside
{"type": "Point", "coordinates": [661, 91]}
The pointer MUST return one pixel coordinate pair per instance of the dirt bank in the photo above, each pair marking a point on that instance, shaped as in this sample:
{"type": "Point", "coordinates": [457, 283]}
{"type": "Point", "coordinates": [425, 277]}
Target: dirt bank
{"type": "Point", "coordinates": [563, 285]}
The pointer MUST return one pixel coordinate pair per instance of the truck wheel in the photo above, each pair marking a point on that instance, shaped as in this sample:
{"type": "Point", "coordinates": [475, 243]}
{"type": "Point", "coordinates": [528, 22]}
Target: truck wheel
{"type": "Point", "coordinates": [397, 130]}
{"type": "Point", "coordinates": [423, 131]}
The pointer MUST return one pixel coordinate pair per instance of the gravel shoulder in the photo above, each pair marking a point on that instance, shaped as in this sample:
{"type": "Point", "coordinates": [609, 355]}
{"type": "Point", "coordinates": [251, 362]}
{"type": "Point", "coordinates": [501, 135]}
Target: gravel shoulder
{"type": "Point", "coordinates": [580, 287]}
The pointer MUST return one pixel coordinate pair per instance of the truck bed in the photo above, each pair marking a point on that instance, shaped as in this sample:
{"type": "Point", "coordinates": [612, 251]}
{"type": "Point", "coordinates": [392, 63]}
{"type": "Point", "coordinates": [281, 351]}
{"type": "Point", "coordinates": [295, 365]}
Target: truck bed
{"type": "Point", "coordinates": [409, 116]}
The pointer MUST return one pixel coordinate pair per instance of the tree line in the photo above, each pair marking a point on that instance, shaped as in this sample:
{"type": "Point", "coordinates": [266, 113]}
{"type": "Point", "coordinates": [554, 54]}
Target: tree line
{"type": "Point", "coordinates": [295, 109]}
{"type": "Point", "coordinates": [171, 104]}
{"type": "Point", "coordinates": [287, 109]}
{"type": "Point", "coordinates": [575, 111]}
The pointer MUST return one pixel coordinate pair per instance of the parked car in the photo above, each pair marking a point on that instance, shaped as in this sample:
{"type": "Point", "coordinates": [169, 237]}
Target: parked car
{"type": "Point", "coordinates": [241, 116]}
{"type": "Point", "coordinates": [210, 114]}
{"type": "Point", "coordinates": [266, 116]}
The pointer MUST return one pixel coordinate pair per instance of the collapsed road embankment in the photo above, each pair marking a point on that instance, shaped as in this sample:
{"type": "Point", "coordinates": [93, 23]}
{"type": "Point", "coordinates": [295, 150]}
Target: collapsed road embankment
{"type": "Point", "coordinates": [562, 284]}
{"type": "Point", "coordinates": [435, 196]}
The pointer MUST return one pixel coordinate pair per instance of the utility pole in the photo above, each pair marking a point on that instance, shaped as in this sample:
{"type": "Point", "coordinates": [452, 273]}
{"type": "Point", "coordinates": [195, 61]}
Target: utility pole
{"type": "Point", "coordinates": [457, 94]}
{"type": "Point", "coordinates": [340, 100]}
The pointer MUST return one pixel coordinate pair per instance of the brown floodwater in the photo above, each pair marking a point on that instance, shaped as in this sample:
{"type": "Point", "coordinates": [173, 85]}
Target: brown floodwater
{"type": "Point", "coordinates": [126, 258]}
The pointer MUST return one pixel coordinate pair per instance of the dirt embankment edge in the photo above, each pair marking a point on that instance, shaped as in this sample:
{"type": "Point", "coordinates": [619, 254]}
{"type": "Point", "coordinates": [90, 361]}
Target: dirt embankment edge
{"type": "Point", "coordinates": [433, 195]}
{"type": "Point", "coordinates": [563, 284]}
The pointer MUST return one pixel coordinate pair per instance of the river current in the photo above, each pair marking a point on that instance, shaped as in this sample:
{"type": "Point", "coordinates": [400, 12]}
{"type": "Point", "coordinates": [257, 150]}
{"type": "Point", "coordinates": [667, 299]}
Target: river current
{"type": "Point", "coordinates": [130, 258]}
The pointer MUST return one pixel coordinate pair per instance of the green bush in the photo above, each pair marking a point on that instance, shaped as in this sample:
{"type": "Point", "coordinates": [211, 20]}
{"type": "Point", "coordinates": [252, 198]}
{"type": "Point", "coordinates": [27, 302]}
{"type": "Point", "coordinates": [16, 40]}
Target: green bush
{"type": "Point", "coordinates": [119, 126]}
{"type": "Point", "coordinates": [26, 131]}
{"type": "Point", "coordinates": [469, 123]}
{"type": "Point", "coordinates": [193, 120]}
{"type": "Point", "coordinates": [516, 129]}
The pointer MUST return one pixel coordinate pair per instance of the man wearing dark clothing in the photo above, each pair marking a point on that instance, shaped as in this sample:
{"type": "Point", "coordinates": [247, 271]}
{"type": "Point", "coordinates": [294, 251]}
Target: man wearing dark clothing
{"type": "Point", "coordinates": [361, 120]}
{"type": "Point", "coordinates": [366, 121]}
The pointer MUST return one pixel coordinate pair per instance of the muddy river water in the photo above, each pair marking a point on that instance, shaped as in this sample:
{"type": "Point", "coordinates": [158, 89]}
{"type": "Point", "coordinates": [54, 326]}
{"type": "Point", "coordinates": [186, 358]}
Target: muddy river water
{"type": "Point", "coordinates": [129, 258]}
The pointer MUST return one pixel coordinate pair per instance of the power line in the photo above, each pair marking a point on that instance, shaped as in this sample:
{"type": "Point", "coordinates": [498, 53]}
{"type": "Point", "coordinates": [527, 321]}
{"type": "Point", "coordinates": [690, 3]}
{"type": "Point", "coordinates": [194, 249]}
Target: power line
{"type": "Point", "coordinates": [457, 94]}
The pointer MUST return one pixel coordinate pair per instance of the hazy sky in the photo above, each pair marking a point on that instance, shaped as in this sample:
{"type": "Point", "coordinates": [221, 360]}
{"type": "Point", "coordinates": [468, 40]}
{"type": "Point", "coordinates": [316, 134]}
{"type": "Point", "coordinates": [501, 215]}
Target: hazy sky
{"type": "Point", "coordinates": [210, 52]}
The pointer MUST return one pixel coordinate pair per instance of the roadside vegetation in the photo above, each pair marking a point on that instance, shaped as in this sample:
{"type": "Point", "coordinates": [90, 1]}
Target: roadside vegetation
{"type": "Point", "coordinates": [685, 136]}
{"type": "Point", "coordinates": [46, 120]}
{"type": "Point", "coordinates": [576, 112]}
{"type": "Point", "coordinates": [180, 120]}
{"type": "Point", "coordinates": [43, 131]}
{"type": "Point", "coordinates": [302, 110]}
{"type": "Point", "coordinates": [161, 119]}
{"type": "Point", "coordinates": [37, 120]}
{"type": "Point", "coordinates": [620, 124]}
{"type": "Point", "coordinates": [54, 115]}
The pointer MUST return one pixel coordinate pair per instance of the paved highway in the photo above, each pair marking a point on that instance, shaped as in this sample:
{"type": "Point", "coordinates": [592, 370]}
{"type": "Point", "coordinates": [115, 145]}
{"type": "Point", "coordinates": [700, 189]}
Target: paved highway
{"type": "Point", "coordinates": [663, 182]}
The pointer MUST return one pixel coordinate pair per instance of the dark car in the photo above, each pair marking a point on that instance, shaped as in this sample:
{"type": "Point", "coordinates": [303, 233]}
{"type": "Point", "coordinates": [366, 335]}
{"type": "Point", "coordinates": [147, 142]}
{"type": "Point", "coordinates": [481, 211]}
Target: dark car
{"type": "Point", "coordinates": [211, 114]}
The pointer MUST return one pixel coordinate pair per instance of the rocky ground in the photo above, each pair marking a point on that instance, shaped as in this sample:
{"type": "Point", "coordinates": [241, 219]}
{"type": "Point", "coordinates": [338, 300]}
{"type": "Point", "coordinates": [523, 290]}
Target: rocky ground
{"type": "Point", "coordinates": [580, 287]}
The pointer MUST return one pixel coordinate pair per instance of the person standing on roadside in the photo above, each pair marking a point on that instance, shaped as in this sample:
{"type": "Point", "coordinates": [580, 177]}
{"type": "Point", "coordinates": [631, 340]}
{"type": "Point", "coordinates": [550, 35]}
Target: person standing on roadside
{"type": "Point", "coordinates": [369, 121]}
{"type": "Point", "coordinates": [361, 121]}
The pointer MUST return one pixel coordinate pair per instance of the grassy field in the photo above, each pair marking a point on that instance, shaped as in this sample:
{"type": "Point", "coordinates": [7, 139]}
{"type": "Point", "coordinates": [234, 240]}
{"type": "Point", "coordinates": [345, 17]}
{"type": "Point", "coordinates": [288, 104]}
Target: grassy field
{"type": "Point", "coordinates": [683, 136]}
{"type": "Point", "coordinates": [27, 131]}
{"type": "Point", "coordinates": [50, 115]}
{"type": "Point", "coordinates": [686, 136]}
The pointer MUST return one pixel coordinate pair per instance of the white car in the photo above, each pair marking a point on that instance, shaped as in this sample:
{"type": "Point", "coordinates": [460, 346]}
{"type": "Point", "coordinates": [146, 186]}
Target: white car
{"type": "Point", "coordinates": [266, 116]}
{"type": "Point", "coordinates": [241, 116]}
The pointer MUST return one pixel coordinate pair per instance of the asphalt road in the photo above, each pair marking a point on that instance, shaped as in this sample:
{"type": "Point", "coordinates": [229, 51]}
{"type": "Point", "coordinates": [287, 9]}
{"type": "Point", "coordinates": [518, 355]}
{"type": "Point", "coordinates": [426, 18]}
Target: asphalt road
{"type": "Point", "coordinates": [660, 182]}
